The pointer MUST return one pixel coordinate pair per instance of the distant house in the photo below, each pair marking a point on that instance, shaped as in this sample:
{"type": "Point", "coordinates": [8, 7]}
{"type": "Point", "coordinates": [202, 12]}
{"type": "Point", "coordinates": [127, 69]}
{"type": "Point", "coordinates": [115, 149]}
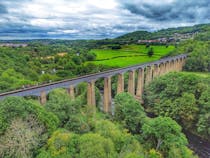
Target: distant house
{"type": "Point", "coordinates": [159, 40]}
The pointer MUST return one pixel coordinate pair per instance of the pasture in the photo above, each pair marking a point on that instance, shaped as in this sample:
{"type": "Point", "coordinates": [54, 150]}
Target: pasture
{"type": "Point", "coordinates": [129, 55]}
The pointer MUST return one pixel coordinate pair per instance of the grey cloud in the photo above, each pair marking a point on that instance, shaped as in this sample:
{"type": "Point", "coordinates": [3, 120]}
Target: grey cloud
{"type": "Point", "coordinates": [179, 10]}
{"type": "Point", "coordinates": [3, 9]}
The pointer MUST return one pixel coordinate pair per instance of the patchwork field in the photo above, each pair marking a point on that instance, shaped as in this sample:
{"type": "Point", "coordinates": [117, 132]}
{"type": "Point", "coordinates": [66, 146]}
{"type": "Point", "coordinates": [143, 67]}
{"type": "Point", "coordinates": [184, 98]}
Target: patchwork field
{"type": "Point", "coordinates": [129, 55]}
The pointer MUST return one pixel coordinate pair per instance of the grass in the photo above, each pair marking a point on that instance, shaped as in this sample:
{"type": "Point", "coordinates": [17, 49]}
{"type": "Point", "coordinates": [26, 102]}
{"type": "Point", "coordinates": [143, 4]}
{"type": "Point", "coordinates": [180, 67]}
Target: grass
{"type": "Point", "coordinates": [129, 55]}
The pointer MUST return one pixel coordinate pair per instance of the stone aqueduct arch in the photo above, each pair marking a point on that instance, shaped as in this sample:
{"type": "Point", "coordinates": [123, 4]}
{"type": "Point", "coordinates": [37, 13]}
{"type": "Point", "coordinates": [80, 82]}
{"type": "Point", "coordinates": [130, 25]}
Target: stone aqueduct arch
{"type": "Point", "coordinates": [146, 73]}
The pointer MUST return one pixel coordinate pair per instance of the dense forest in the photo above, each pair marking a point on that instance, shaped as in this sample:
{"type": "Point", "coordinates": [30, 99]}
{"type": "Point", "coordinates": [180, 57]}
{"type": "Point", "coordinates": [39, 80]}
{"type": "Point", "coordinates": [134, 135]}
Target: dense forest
{"type": "Point", "coordinates": [66, 127]}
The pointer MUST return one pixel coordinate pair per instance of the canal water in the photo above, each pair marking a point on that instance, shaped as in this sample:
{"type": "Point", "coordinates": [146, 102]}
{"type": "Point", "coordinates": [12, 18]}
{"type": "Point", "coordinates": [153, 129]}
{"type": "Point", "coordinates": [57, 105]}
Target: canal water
{"type": "Point", "coordinates": [199, 146]}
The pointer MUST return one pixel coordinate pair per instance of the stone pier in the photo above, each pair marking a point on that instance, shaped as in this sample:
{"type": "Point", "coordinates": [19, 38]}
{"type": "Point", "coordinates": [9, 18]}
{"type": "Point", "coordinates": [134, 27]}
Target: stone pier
{"type": "Point", "coordinates": [70, 91]}
{"type": "Point", "coordinates": [43, 98]}
{"type": "Point", "coordinates": [120, 83]}
{"type": "Point", "coordinates": [131, 82]}
{"type": "Point", "coordinates": [140, 83]}
{"type": "Point", "coordinates": [107, 94]}
{"type": "Point", "coordinates": [91, 99]}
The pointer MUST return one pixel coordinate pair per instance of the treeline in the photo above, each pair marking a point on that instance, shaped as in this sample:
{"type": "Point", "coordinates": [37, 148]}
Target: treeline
{"type": "Point", "coordinates": [69, 128]}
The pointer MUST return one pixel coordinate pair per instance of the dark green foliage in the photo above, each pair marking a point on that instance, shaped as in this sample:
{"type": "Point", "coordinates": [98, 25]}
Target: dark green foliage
{"type": "Point", "coordinates": [150, 52]}
{"type": "Point", "coordinates": [183, 97]}
{"type": "Point", "coordinates": [203, 125]}
{"type": "Point", "coordinates": [61, 105]}
{"type": "Point", "coordinates": [129, 112]}
{"type": "Point", "coordinates": [15, 107]}
{"type": "Point", "coordinates": [165, 135]}
{"type": "Point", "coordinates": [83, 121]}
{"type": "Point", "coordinates": [199, 59]}
{"type": "Point", "coordinates": [199, 55]}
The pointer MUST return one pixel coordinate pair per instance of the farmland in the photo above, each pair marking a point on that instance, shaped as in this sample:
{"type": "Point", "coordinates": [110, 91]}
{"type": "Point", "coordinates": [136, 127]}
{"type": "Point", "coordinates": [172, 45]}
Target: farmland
{"type": "Point", "coordinates": [129, 55]}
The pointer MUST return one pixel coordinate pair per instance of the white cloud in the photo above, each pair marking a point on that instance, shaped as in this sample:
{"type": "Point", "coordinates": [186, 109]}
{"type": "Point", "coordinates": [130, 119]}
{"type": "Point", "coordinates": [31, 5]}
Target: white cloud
{"type": "Point", "coordinates": [98, 18]}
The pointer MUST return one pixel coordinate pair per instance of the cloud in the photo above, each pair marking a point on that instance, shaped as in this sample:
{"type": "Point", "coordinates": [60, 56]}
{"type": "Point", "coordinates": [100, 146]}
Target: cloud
{"type": "Point", "coordinates": [172, 10]}
{"type": "Point", "coordinates": [3, 9]}
{"type": "Point", "coordinates": [86, 19]}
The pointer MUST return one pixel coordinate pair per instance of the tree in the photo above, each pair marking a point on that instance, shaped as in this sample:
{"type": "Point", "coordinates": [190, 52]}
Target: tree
{"type": "Point", "coordinates": [22, 138]}
{"type": "Point", "coordinates": [150, 52]}
{"type": "Point", "coordinates": [203, 125]}
{"type": "Point", "coordinates": [60, 145]}
{"type": "Point", "coordinates": [124, 142]}
{"type": "Point", "coordinates": [94, 146]}
{"type": "Point", "coordinates": [24, 127]}
{"type": "Point", "coordinates": [163, 133]}
{"type": "Point", "coordinates": [129, 112]}
{"type": "Point", "coordinates": [183, 97]}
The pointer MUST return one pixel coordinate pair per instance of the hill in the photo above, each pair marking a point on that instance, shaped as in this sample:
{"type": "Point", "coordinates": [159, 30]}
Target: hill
{"type": "Point", "coordinates": [165, 33]}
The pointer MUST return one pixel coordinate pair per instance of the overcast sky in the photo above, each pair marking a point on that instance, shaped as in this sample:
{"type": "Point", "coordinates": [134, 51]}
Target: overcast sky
{"type": "Point", "coordinates": [93, 19]}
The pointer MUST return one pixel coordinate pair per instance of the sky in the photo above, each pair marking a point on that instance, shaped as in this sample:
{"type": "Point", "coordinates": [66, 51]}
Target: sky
{"type": "Point", "coordinates": [95, 19]}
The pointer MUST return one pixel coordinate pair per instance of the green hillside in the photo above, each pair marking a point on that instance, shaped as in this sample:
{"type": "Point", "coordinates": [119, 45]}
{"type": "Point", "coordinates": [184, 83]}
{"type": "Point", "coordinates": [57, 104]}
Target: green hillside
{"type": "Point", "coordinates": [144, 35]}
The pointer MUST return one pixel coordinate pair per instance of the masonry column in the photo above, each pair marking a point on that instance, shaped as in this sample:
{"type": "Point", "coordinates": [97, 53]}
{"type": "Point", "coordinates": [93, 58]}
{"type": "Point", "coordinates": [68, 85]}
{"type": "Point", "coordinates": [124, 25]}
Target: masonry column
{"type": "Point", "coordinates": [148, 74]}
{"type": "Point", "coordinates": [155, 71]}
{"type": "Point", "coordinates": [70, 91]}
{"type": "Point", "coordinates": [131, 82]}
{"type": "Point", "coordinates": [43, 97]}
{"type": "Point", "coordinates": [167, 67]}
{"type": "Point", "coordinates": [91, 99]}
{"type": "Point", "coordinates": [174, 65]}
{"type": "Point", "coordinates": [107, 95]}
{"type": "Point", "coordinates": [140, 83]}
{"type": "Point", "coordinates": [181, 63]}
{"type": "Point", "coordinates": [120, 83]}
{"type": "Point", "coordinates": [160, 69]}
{"type": "Point", "coordinates": [171, 66]}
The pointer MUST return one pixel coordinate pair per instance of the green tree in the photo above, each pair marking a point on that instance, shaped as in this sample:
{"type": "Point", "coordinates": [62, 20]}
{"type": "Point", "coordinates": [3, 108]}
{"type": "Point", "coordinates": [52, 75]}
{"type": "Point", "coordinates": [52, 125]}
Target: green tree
{"type": "Point", "coordinates": [60, 145]}
{"type": "Point", "coordinates": [94, 146]}
{"type": "Point", "coordinates": [150, 52]}
{"type": "Point", "coordinates": [163, 133]}
{"type": "Point", "coordinates": [129, 112]}
{"type": "Point", "coordinates": [24, 127]}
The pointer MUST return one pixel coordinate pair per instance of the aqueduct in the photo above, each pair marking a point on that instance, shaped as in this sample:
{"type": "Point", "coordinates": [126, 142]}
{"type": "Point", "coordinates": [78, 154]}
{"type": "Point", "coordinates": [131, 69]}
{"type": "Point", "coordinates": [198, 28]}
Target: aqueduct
{"type": "Point", "coordinates": [146, 73]}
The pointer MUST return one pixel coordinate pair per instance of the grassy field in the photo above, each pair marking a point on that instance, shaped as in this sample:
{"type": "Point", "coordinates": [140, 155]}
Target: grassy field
{"type": "Point", "coordinates": [129, 55]}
